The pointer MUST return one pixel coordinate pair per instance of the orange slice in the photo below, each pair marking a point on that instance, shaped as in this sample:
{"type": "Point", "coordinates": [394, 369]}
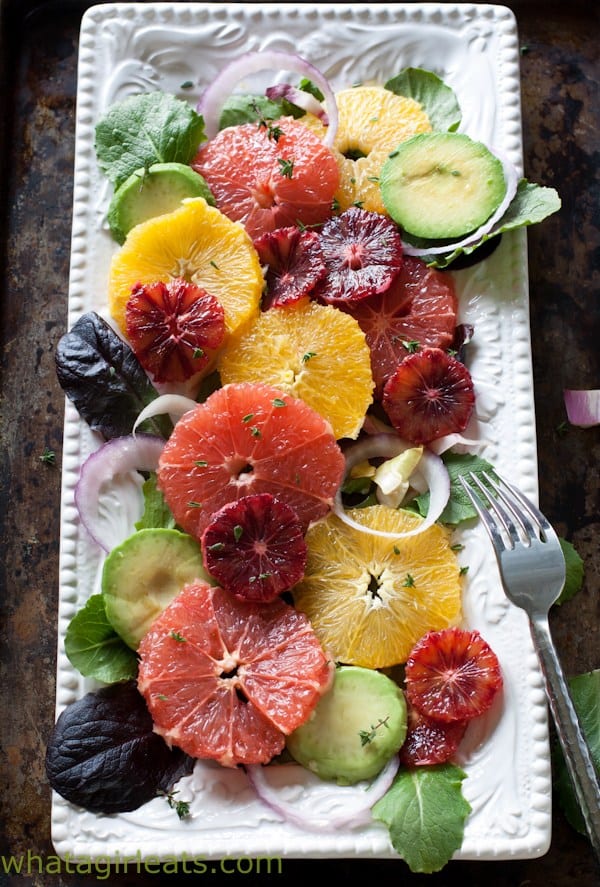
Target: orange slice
{"type": "Point", "coordinates": [370, 599]}
{"type": "Point", "coordinates": [195, 242]}
{"type": "Point", "coordinates": [314, 352]}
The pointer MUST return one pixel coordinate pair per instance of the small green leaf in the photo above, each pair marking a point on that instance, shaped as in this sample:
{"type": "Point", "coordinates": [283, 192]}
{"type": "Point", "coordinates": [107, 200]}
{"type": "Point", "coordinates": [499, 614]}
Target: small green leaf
{"type": "Point", "coordinates": [585, 692]}
{"type": "Point", "coordinates": [438, 100]}
{"type": "Point", "coordinates": [425, 812]}
{"type": "Point", "coordinates": [156, 511]}
{"type": "Point", "coordinates": [575, 572]}
{"type": "Point", "coordinates": [95, 649]}
{"type": "Point", "coordinates": [459, 506]}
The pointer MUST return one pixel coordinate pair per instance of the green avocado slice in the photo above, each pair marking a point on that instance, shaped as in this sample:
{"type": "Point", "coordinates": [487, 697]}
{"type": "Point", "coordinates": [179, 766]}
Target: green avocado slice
{"type": "Point", "coordinates": [441, 185]}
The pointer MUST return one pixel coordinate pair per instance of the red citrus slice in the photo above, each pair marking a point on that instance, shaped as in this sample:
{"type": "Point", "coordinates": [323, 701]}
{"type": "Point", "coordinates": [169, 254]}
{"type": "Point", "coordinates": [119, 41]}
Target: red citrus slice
{"type": "Point", "coordinates": [292, 269]}
{"type": "Point", "coordinates": [452, 675]}
{"type": "Point", "coordinates": [362, 252]}
{"type": "Point", "coordinates": [228, 680]}
{"type": "Point", "coordinates": [255, 547]}
{"type": "Point", "coordinates": [430, 394]}
{"type": "Point", "coordinates": [418, 309]}
{"type": "Point", "coordinates": [269, 177]}
{"type": "Point", "coordinates": [249, 438]}
{"type": "Point", "coordinates": [173, 327]}
{"type": "Point", "coordinates": [429, 741]}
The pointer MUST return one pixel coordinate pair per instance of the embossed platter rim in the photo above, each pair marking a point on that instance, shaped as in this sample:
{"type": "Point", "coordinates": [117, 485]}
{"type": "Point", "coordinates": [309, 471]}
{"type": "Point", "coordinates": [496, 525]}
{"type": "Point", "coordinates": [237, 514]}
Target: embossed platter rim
{"type": "Point", "coordinates": [134, 47]}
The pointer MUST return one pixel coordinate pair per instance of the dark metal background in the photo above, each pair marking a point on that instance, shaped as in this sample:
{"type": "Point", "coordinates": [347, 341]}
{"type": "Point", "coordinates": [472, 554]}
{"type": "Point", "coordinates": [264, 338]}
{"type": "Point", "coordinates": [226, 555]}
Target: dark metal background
{"type": "Point", "coordinates": [560, 66]}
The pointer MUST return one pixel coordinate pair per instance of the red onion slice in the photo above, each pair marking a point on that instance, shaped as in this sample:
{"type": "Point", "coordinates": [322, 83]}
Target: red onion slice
{"type": "Point", "coordinates": [431, 474]}
{"type": "Point", "coordinates": [214, 97]}
{"type": "Point", "coordinates": [108, 494]}
{"type": "Point", "coordinates": [583, 407]}
{"type": "Point", "coordinates": [512, 180]}
{"type": "Point", "coordinates": [329, 807]}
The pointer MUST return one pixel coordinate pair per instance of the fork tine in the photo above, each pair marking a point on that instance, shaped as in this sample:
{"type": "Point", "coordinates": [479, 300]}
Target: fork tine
{"type": "Point", "coordinates": [504, 517]}
{"type": "Point", "coordinates": [544, 526]}
{"type": "Point", "coordinates": [508, 496]}
{"type": "Point", "coordinates": [477, 503]}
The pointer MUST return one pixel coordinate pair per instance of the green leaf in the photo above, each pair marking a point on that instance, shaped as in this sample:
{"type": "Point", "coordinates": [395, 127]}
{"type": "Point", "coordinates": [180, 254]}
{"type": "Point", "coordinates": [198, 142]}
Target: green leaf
{"type": "Point", "coordinates": [249, 108]}
{"type": "Point", "coordinates": [145, 129]}
{"type": "Point", "coordinates": [436, 97]}
{"type": "Point", "coordinates": [95, 649]}
{"type": "Point", "coordinates": [531, 204]}
{"type": "Point", "coordinates": [459, 506]}
{"type": "Point", "coordinates": [585, 692]}
{"type": "Point", "coordinates": [575, 572]}
{"type": "Point", "coordinates": [156, 511]}
{"type": "Point", "coordinates": [425, 812]}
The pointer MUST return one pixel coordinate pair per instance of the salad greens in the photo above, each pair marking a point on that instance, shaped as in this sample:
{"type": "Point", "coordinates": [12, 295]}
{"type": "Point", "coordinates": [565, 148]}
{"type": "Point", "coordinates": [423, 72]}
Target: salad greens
{"type": "Point", "coordinates": [425, 812]}
{"type": "Point", "coordinates": [104, 380]}
{"type": "Point", "coordinates": [436, 97]}
{"type": "Point", "coordinates": [585, 692]}
{"type": "Point", "coordinates": [145, 129]}
{"type": "Point", "coordinates": [94, 647]}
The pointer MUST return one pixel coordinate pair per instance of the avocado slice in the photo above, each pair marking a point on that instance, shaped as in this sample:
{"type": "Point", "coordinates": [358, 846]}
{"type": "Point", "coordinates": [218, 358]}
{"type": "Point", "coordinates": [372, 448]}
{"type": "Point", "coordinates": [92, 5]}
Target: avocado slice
{"type": "Point", "coordinates": [143, 574]}
{"type": "Point", "coordinates": [441, 185]}
{"type": "Point", "coordinates": [153, 192]}
{"type": "Point", "coordinates": [356, 727]}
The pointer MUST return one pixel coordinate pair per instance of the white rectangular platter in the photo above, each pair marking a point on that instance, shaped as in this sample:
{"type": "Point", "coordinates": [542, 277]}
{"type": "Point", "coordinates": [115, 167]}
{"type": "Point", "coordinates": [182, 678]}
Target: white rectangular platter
{"type": "Point", "coordinates": [129, 48]}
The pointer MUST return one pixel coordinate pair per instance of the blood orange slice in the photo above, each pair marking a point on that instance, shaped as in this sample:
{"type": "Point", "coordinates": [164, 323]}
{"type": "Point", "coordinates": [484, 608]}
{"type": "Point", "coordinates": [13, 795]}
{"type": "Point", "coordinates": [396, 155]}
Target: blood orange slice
{"type": "Point", "coordinates": [269, 177]}
{"type": "Point", "coordinates": [228, 680]}
{"type": "Point", "coordinates": [418, 309]}
{"type": "Point", "coordinates": [254, 547]}
{"type": "Point", "coordinates": [249, 438]}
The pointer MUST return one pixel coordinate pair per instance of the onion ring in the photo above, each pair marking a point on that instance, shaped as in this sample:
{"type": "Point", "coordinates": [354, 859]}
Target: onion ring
{"type": "Point", "coordinates": [121, 457]}
{"type": "Point", "coordinates": [431, 474]}
{"type": "Point", "coordinates": [173, 404]}
{"type": "Point", "coordinates": [355, 801]}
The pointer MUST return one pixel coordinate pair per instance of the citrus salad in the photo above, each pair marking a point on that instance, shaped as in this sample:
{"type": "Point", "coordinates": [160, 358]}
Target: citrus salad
{"type": "Point", "coordinates": [280, 390]}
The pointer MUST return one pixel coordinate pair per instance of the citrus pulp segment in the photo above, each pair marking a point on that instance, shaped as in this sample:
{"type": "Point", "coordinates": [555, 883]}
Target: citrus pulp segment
{"type": "Point", "coordinates": [196, 243]}
{"type": "Point", "coordinates": [270, 176]}
{"type": "Point", "coordinates": [227, 680]}
{"type": "Point", "coordinates": [312, 351]}
{"type": "Point", "coordinates": [249, 438]}
{"type": "Point", "coordinates": [370, 598]}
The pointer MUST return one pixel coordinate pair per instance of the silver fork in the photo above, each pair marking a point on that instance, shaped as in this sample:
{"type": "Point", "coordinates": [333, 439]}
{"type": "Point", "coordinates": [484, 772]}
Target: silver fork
{"type": "Point", "coordinates": [532, 569]}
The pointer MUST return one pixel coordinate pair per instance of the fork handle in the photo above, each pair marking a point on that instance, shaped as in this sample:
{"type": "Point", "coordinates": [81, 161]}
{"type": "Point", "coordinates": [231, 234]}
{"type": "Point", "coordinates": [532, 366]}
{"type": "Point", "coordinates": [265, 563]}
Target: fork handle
{"type": "Point", "coordinates": [576, 751]}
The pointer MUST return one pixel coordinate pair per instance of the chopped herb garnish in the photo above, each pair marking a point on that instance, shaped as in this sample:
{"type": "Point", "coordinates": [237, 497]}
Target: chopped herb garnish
{"type": "Point", "coordinates": [48, 456]}
{"type": "Point", "coordinates": [187, 84]}
{"type": "Point", "coordinates": [177, 637]}
{"type": "Point", "coordinates": [162, 697]}
{"type": "Point", "coordinates": [396, 549]}
{"type": "Point", "coordinates": [307, 356]}
{"type": "Point", "coordinates": [201, 463]}
{"type": "Point", "coordinates": [367, 736]}
{"type": "Point", "coordinates": [193, 504]}
{"type": "Point", "coordinates": [463, 571]}
{"type": "Point", "coordinates": [255, 432]}
{"type": "Point", "coordinates": [214, 264]}
{"type": "Point", "coordinates": [182, 808]}
{"type": "Point", "coordinates": [248, 417]}
{"type": "Point", "coordinates": [238, 532]}
{"type": "Point", "coordinates": [279, 402]}
{"type": "Point", "coordinates": [197, 353]}
{"type": "Point", "coordinates": [458, 546]}
{"type": "Point", "coordinates": [286, 167]}
{"type": "Point", "coordinates": [409, 582]}
{"type": "Point", "coordinates": [411, 346]}
{"type": "Point", "coordinates": [216, 546]}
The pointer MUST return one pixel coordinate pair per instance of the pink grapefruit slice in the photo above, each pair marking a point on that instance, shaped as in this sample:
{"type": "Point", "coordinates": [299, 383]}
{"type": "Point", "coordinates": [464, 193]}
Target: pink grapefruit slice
{"type": "Point", "coordinates": [269, 177]}
{"type": "Point", "coordinates": [418, 309]}
{"type": "Point", "coordinates": [228, 680]}
{"type": "Point", "coordinates": [249, 438]}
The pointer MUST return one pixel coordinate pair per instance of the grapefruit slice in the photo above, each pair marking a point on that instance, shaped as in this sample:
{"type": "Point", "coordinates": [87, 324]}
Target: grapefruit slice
{"type": "Point", "coordinates": [249, 438]}
{"type": "Point", "coordinates": [419, 307]}
{"type": "Point", "coordinates": [269, 177]}
{"type": "Point", "coordinates": [228, 680]}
